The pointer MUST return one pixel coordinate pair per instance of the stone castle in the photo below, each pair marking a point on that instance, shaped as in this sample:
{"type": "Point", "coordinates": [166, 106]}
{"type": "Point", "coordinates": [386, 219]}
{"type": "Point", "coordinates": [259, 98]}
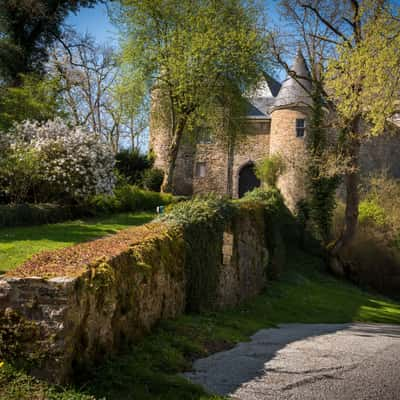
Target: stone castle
{"type": "Point", "coordinates": [277, 120]}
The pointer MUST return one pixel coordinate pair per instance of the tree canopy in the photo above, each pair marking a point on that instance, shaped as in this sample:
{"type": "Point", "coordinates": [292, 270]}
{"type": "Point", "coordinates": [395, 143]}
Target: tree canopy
{"type": "Point", "coordinates": [27, 29]}
{"type": "Point", "coordinates": [200, 54]}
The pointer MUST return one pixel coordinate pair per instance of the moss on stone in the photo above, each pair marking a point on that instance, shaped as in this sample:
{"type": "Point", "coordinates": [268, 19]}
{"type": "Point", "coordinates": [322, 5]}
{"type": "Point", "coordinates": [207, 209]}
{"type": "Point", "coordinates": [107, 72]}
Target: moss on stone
{"type": "Point", "coordinates": [23, 342]}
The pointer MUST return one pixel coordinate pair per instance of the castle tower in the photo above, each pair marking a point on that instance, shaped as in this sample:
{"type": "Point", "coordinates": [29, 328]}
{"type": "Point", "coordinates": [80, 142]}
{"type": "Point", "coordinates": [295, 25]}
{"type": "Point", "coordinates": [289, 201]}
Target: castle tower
{"type": "Point", "coordinates": [289, 120]}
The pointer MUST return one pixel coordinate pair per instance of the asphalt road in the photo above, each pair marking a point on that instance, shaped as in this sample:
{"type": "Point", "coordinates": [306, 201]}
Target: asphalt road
{"type": "Point", "coordinates": [307, 362]}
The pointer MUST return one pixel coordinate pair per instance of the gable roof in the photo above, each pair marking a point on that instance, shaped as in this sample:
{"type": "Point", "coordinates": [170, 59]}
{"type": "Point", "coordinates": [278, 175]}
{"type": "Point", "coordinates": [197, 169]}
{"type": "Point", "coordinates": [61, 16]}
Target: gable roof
{"type": "Point", "coordinates": [261, 101]}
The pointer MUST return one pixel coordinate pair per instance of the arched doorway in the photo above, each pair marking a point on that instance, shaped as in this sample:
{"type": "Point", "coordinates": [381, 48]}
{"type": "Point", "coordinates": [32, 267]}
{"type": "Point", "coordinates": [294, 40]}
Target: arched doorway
{"type": "Point", "coordinates": [247, 179]}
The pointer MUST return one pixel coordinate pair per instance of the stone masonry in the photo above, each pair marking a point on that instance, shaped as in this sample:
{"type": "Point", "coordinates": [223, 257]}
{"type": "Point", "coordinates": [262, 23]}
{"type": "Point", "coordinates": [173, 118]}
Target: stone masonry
{"type": "Point", "coordinates": [274, 114]}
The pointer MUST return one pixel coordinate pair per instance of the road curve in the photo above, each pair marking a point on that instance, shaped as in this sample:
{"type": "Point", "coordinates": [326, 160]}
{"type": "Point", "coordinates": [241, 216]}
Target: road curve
{"type": "Point", "coordinates": [307, 362]}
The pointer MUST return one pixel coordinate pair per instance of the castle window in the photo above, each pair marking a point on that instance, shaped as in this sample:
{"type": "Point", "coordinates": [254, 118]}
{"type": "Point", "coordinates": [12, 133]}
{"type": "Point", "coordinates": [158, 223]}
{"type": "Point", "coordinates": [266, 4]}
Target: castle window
{"type": "Point", "coordinates": [300, 127]}
{"type": "Point", "coordinates": [204, 135]}
{"type": "Point", "coordinates": [200, 169]}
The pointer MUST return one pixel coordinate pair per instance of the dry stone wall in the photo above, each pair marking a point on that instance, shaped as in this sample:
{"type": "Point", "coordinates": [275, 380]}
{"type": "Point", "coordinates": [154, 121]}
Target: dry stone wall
{"type": "Point", "coordinates": [84, 302]}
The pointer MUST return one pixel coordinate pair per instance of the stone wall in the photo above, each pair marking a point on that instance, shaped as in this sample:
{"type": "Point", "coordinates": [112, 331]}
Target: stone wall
{"type": "Point", "coordinates": [215, 157]}
{"type": "Point", "coordinates": [251, 148]}
{"type": "Point", "coordinates": [244, 258]}
{"type": "Point", "coordinates": [89, 299]}
{"type": "Point", "coordinates": [222, 170]}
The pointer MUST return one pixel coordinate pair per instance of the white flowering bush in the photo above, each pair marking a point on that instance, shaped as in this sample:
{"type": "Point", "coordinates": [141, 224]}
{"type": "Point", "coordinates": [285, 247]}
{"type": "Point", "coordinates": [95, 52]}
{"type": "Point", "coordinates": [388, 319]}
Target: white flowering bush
{"type": "Point", "coordinates": [73, 163]}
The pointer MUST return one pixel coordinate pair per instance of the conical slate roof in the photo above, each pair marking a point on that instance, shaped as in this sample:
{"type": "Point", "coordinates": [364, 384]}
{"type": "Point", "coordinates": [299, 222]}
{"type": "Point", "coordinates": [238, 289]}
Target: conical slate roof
{"type": "Point", "coordinates": [295, 91]}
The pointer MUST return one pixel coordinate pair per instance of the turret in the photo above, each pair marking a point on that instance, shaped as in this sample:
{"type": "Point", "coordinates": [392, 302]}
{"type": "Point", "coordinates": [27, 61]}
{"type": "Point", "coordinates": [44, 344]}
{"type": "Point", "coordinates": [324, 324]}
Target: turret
{"type": "Point", "coordinates": [289, 120]}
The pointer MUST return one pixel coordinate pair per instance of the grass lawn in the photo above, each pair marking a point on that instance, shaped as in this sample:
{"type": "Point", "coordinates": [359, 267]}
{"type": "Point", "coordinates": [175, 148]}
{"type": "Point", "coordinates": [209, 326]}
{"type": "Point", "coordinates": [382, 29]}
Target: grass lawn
{"type": "Point", "coordinates": [148, 370]}
{"type": "Point", "coordinates": [20, 243]}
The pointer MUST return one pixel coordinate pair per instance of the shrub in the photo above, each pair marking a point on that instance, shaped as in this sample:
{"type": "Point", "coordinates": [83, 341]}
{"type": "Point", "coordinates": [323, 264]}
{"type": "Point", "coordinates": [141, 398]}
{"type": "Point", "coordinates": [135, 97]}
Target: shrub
{"type": "Point", "coordinates": [200, 210]}
{"type": "Point", "coordinates": [270, 169]}
{"type": "Point", "coordinates": [20, 174]}
{"type": "Point", "coordinates": [152, 179]}
{"type": "Point", "coordinates": [73, 163]}
{"type": "Point", "coordinates": [371, 210]}
{"type": "Point", "coordinates": [131, 164]}
{"type": "Point", "coordinates": [129, 198]}
{"type": "Point", "coordinates": [37, 214]}
{"type": "Point", "coordinates": [271, 197]}
{"type": "Point", "coordinates": [373, 257]}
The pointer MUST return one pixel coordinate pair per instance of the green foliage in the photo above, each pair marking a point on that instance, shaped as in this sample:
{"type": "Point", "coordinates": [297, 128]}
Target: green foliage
{"type": "Point", "coordinates": [271, 197]}
{"type": "Point", "coordinates": [129, 198]}
{"type": "Point", "coordinates": [280, 226]}
{"type": "Point", "coordinates": [27, 31]}
{"type": "Point", "coordinates": [270, 169]}
{"type": "Point", "coordinates": [36, 98]}
{"type": "Point", "coordinates": [203, 219]}
{"type": "Point", "coordinates": [201, 210]}
{"type": "Point", "coordinates": [321, 185]}
{"type": "Point", "coordinates": [21, 339]}
{"type": "Point", "coordinates": [17, 385]}
{"type": "Point", "coordinates": [131, 164]}
{"type": "Point", "coordinates": [19, 174]}
{"type": "Point", "coordinates": [374, 255]}
{"type": "Point", "coordinates": [362, 79]}
{"type": "Point", "coordinates": [198, 57]}
{"type": "Point", "coordinates": [371, 210]}
{"type": "Point", "coordinates": [38, 214]}
{"type": "Point", "coordinates": [152, 179]}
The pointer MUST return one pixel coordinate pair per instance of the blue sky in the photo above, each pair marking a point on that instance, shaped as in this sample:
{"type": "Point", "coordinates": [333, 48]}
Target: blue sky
{"type": "Point", "coordinates": [94, 21]}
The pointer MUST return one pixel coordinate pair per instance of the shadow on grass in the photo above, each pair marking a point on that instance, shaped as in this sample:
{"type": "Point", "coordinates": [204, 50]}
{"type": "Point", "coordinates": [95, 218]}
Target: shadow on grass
{"type": "Point", "coordinates": [19, 243]}
{"type": "Point", "coordinates": [74, 231]}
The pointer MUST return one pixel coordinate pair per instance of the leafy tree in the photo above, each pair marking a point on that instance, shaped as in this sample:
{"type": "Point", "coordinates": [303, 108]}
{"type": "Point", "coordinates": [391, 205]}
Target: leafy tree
{"type": "Point", "coordinates": [131, 164]}
{"type": "Point", "coordinates": [363, 84]}
{"type": "Point", "coordinates": [197, 56]}
{"type": "Point", "coordinates": [35, 99]}
{"type": "Point", "coordinates": [354, 53]}
{"type": "Point", "coordinates": [27, 29]}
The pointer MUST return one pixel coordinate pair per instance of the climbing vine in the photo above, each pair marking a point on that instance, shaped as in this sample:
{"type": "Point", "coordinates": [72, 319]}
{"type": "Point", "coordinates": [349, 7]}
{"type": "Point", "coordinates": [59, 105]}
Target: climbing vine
{"type": "Point", "coordinates": [203, 219]}
{"type": "Point", "coordinates": [321, 187]}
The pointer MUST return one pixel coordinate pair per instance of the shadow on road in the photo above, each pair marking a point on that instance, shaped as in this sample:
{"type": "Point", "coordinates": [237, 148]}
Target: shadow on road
{"type": "Point", "coordinates": [224, 373]}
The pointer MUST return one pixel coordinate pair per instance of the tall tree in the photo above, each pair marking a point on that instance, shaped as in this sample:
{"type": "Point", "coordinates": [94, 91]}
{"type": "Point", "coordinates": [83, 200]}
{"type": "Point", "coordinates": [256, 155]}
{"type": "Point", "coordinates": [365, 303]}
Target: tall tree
{"type": "Point", "coordinates": [199, 55]}
{"type": "Point", "coordinates": [94, 94]}
{"type": "Point", "coordinates": [27, 29]}
{"type": "Point", "coordinates": [359, 52]}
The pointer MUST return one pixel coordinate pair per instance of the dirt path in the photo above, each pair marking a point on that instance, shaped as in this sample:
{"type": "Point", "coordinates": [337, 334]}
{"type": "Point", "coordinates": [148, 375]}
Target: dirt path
{"type": "Point", "coordinates": [308, 361]}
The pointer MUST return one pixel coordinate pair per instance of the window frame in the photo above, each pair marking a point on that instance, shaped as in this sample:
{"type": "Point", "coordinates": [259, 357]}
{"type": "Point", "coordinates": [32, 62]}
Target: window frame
{"type": "Point", "coordinates": [200, 169]}
{"type": "Point", "coordinates": [300, 128]}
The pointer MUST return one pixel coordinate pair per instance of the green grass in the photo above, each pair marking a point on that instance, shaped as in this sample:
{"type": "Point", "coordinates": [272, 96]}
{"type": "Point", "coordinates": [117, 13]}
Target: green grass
{"type": "Point", "coordinates": [20, 243]}
{"type": "Point", "coordinates": [148, 370]}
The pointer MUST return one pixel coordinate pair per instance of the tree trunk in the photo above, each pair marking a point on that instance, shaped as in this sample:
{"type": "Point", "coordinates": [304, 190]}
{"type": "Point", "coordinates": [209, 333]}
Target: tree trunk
{"type": "Point", "coordinates": [167, 185]}
{"type": "Point", "coordinates": [352, 180]}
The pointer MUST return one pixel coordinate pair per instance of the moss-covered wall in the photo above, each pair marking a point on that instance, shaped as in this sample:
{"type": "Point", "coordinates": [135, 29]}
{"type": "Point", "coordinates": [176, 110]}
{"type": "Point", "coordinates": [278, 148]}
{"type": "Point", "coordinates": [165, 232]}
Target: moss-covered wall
{"type": "Point", "coordinates": [114, 290]}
